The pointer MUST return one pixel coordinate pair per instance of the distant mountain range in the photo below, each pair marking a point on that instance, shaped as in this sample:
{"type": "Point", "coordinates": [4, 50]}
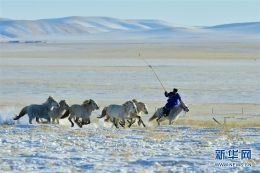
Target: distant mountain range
{"type": "Point", "coordinates": [112, 28]}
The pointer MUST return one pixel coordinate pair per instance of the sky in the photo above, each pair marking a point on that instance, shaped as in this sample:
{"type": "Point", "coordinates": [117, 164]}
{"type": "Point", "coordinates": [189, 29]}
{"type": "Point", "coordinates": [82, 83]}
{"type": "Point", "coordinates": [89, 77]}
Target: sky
{"type": "Point", "coordinates": [185, 12]}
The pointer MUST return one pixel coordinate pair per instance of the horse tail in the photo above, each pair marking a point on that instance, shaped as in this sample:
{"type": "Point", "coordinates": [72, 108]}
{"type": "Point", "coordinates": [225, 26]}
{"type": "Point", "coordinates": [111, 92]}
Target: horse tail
{"type": "Point", "coordinates": [104, 112]}
{"type": "Point", "coordinates": [65, 115]}
{"type": "Point", "coordinates": [22, 113]}
{"type": "Point", "coordinates": [154, 116]}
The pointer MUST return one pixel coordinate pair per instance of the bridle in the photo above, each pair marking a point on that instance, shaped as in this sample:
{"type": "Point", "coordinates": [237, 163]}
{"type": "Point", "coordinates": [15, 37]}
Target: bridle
{"type": "Point", "coordinates": [185, 108]}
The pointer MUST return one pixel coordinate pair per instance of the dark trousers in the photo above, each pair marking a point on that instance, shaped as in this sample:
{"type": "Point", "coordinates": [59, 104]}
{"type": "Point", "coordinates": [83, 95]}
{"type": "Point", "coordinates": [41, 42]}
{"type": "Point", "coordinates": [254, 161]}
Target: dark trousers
{"type": "Point", "coordinates": [166, 111]}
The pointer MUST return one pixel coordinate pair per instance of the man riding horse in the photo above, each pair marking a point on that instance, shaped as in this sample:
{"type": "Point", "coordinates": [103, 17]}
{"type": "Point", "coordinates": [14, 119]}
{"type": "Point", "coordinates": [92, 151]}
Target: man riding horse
{"type": "Point", "coordinates": [173, 98]}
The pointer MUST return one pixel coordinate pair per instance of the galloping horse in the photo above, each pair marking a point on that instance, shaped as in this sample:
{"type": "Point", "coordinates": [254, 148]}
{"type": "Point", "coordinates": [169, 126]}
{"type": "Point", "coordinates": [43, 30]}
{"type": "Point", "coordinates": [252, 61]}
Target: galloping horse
{"type": "Point", "coordinates": [56, 113]}
{"type": "Point", "coordinates": [39, 111]}
{"type": "Point", "coordinates": [119, 112]}
{"type": "Point", "coordinates": [81, 111]}
{"type": "Point", "coordinates": [173, 114]}
{"type": "Point", "coordinates": [141, 107]}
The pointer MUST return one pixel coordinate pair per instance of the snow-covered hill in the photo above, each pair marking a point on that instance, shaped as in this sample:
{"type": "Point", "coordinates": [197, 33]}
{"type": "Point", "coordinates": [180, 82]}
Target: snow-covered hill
{"type": "Point", "coordinates": [107, 27]}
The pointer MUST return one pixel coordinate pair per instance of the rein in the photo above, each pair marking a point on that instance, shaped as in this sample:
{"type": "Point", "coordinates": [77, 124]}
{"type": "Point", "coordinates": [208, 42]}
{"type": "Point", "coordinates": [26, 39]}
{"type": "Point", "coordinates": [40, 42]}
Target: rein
{"type": "Point", "coordinates": [184, 107]}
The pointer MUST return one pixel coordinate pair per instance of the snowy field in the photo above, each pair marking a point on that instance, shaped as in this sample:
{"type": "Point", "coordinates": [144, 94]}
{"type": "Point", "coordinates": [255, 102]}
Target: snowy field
{"type": "Point", "coordinates": [215, 79]}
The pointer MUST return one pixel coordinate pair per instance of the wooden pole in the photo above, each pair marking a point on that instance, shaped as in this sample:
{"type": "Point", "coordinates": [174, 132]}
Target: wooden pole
{"type": "Point", "coordinates": [216, 121]}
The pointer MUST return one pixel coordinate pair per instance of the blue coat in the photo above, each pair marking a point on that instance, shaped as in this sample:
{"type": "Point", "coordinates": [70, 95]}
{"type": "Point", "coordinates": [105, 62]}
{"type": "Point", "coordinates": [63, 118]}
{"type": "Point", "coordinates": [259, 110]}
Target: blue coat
{"type": "Point", "coordinates": [173, 100]}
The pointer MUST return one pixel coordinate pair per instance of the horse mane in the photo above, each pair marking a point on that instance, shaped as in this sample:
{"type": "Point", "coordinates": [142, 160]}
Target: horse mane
{"type": "Point", "coordinates": [62, 101]}
{"type": "Point", "coordinates": [135, 101]}
{"type": "Point", "coordinates": [127, 102]}
{"type": "Point", "coordinates": [86, 102]}
{"type": "Point", "coordinates": [50, 98]}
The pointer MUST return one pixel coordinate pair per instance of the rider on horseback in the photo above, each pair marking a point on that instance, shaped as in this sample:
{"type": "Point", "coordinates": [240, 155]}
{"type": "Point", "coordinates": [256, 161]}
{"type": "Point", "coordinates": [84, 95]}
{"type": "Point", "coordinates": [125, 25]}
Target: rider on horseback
{"type": "Point", "coordinates": [172, 101]}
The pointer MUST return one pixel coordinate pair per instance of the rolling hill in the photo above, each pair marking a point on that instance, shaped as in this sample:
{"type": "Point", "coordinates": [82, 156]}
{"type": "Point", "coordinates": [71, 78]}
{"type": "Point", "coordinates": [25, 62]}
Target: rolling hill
{"type": "Point", "coordinates": [111, 28]}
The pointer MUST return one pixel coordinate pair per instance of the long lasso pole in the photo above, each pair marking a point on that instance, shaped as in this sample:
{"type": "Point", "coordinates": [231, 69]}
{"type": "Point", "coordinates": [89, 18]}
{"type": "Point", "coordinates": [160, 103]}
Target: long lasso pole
{"type": "Point", "coordinates": [154, 72]}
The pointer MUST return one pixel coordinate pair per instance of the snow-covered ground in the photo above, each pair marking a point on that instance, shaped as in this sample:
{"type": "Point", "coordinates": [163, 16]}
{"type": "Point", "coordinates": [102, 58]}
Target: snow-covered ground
{"type": "Point", "coordinates": [216, 80]}
{"type": "Point", "coordinates": [49, 148]}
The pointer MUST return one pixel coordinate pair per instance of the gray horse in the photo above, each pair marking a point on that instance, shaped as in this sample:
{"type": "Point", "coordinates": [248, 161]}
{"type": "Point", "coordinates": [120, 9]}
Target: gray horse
{"type": "Point", "coordinates": [173, 114]}
{"type": "Point", "coordinates": [39, 111]}
{"type": "Point", "coordinates": [56, 113]}
{"type": "Point", "coordinates": [81, 111]}
{"type": "Point", "coordinates": [119, 112]}
{"type": "Point", "coordinates": [140, 107]}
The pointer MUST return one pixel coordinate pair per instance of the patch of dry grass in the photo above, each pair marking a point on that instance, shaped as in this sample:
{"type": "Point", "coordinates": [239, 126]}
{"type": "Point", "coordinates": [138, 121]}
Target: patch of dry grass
{"type": "Point", "coordinates": [78, 133]}
{"type": "Point", "coordinates": [228, 134]}
{"type": "Point", "coordinates": [159, 135]}
{"type": "Point", "coordinates": [211, 124]}
{"type": "Point", "coordinates": [252, 161]}
{"type": "Point", "coordinates": [111, 134]}
{"type": "Point", "coordinates": [45, 129]}
{"type": "Point", "coordinates": [127, 154]}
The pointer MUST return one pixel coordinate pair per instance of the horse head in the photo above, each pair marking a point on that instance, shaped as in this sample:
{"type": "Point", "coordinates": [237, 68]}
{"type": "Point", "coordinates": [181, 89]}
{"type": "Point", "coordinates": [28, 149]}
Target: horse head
{"type": "Point", "coordinates": [92, 103]}
{"type": "Point", "coordinates": [131, 106]}
{"type": "Point", "coordinates": [64, 104]}
{"type": "Point", "coordinates": [53, 102]}
{"type": "Point", "coordinates": [144, 108]}
{"type": "Point", "coordinates": [184, 107]}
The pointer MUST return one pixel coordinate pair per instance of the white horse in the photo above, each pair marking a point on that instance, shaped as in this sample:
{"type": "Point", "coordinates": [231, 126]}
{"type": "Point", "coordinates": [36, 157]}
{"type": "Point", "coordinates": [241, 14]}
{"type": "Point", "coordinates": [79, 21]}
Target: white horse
{"type": "Point", "coordinates": [56, 113]}
{"type": "Point", "coordinates": [39, 111]}
{"type": "Point", "coordinates": [173, 114]}
{"type": "Point", "coordinates": [141, 107]}
{"type": "Point", "coordinates": [119, 112]}
{"type": "Point", "coordinates": [81, 111]}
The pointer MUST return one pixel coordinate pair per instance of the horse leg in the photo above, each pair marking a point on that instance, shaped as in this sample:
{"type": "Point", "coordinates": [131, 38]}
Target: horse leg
{"type": "Point", "coordinates": [88, 121]}
{"type": "Point", "coordinates": [114, 121]}
{"type": "Point", "coordinates": [49, 120]}
{"type": "Point", "coordinates": [131, 122]}
{"type": "Point", "coordinates": [30, 118]}
{"type": "Point", "coordinates": [78, 123]}
{"type": "Point", "coordinates": [158, 121]}
{"type": "Point", "coordinates": [122, 123]}
{"type": "Point", "coordinates": [37, 120]}
{"type": "Point", "coordinates": [143, 124]}
{"type": "Point", "coordinates": [56, 120]}
{"type": "Point", "coordinates": [53, 120]}
{"type": "Point", "coordinates": [141, 121]}
{"type": "Point", "coordinates": [76, 120]}
{"type": "Point", "coordinates": [72, 124]}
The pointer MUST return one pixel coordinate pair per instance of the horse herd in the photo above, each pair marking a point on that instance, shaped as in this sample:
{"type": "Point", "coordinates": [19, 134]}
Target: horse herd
{"type": "Point", "coordinates": [52, 111]}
